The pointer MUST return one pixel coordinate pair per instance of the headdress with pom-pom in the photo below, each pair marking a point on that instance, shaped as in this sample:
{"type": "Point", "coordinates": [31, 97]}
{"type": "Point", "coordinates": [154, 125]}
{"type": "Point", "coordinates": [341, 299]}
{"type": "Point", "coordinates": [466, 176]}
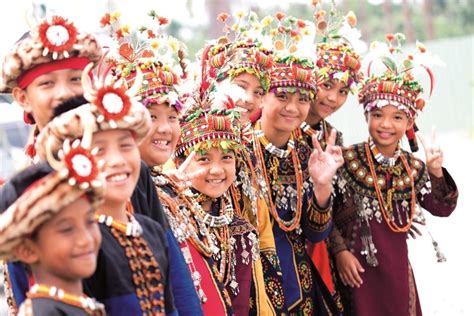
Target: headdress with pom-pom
{"type": "Point", "coordinates": [161, 58]}
{"type": "Point", "coordinates": [74, 174]}
{"type": "Point", "coordinates": [396, 84]}
{"type": "Point", "coordinates": [337, 58]}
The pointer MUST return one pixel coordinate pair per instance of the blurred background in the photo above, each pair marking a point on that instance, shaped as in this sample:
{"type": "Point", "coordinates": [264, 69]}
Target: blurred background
{"type": "Point", "coordinates": [445, 26]}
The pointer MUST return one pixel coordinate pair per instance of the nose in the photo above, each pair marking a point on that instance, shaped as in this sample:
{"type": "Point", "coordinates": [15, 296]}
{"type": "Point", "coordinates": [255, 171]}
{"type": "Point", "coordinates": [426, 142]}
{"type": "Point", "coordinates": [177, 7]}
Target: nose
{"type": "Point", "coordinates": [85, 237]}
{"type": "Point", "coordinates": [64, 91]}
{"type": "Point", "coordinates": [386, 122]}
{"type": "Point", "coordinates": [331, 96]}
{"type": "Point", "coordinates": [163, 127]}
{"type": "Point", "coordinates": [291, 106]}
{"type": "Point", "coordinates": [114, 158]}
{"type": "Point", "coordinates": [216, 169]}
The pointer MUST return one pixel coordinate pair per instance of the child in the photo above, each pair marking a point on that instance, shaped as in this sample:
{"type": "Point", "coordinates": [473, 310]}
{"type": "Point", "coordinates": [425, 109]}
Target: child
{"type": "Point", "coordinates": [132, 275]}
{"type": "Point", "coordinates": [212, 136]}
{"type": "Point", "coordinates": [379, 188]}
{"type": "Point", "coordinates": [52, 229]}
{"type": "Point", "coordinates": [298, 183]}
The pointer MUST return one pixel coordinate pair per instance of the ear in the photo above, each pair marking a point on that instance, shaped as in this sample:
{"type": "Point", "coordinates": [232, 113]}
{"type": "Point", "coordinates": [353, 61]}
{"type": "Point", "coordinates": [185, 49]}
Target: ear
{"type": "Point", "coordinates": [27, 252]}
{"type": "Point", "coordinates": [410, 124]}
{"type": "Point", "coordinates": [20, 97]}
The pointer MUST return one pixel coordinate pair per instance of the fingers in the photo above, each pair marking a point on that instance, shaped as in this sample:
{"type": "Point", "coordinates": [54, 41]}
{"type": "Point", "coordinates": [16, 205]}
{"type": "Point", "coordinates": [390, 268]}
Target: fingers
{"type": "Point", "coordinates": [193, 175]}
{"type": "Point", "coordinates": [332, 137]}
{"type": "Point", "coordinates": [316, 144]}
{"type": "Point", "coordinates": [422, 139]}
{"type": "Point", "coordinates": [186, 162]}
{"type": "Point", "coordinates": [433, 135]}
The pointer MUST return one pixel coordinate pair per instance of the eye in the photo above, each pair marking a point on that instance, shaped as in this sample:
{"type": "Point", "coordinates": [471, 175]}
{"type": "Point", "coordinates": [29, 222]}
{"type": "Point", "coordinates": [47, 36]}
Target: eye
{"type": "Point", "coordinates": [228, 157]}
{"type": "Point", "coordinates": [344, 92]}
{"type": "Point", "coordinates": [66, 229]}
{"type": "Point", "coordinates": [304, 98]}
{"type": "Point", "coordinates": [398, 117]}
{"type": "Point", "coordinates": [46, 83]}
{"type": "Point", "coordinates": [76, 79]}
{"type": "Point", "coordinates": [327, 85]}
{"type": "Point", "coordinates": [153, 117]}
{"type": "Point", "coordinates": [281, 96]}
{"type": "Point", "coordinates": [173, 118]}
{"type": "Point", "coordinates": [202, 159]}
{"type": "Point", "coordinates": [376, 114]}
{"type": "Point", "coordinates": [260, 92]}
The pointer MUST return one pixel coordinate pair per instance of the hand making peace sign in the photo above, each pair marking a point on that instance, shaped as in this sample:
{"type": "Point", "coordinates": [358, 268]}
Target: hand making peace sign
{"type": "Point", "coordinates": [323, 164]}
{"type": "Point", "coordinates": [433, 153]}
{"type": "Point", "coordinates": [181, 176]}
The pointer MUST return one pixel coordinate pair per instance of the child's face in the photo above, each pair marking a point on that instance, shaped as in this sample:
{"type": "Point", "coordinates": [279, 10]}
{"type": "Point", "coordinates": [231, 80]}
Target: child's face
{"type": "Point", "coordinates": [159, 144]}
{"type": "Point", "coordinates": [67, 245]}
{"type": "Point", "coordinates": [283, 111]}
{"type": "Point", "coordinates": [119, 150]}
{"type": "Point", "coordinates": [219, 172]}
{"type": "Point", "coordinates": [254, 94]}
{"type": "Point", "coordinates": [47, 91]}
{"type": "Point", "coordinates": [387, 126]}
{"type": "Point", "coordinates": [332, 94]}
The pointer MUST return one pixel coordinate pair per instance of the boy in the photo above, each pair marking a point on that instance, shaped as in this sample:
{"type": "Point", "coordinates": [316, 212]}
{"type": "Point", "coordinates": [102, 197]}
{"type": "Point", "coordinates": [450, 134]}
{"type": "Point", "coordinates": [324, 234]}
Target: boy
{"type": "Point", "coordinates": [379, 188]}
{"type": "Point", "coordinates": [52, 229]}
{"type": "Point", "coordinates": [132, 275]}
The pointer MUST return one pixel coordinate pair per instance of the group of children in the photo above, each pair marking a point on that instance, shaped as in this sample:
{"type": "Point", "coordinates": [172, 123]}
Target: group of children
{"type": "Point", "coordinates": [232, 197]}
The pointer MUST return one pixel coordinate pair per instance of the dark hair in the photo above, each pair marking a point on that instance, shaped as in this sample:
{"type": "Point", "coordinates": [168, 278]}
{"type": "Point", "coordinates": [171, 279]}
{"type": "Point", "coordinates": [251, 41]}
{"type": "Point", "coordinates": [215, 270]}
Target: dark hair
{"type": "Point", "coordinates": [68, 105]}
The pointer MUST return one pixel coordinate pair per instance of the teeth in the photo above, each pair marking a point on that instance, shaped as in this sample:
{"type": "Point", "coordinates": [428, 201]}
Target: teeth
{"type": "Point", "coordinates": [160, 142]}
{"type": "Point", "coordinates": [117, 178]}
{"type": "Point", "coordinates": [216, 181]}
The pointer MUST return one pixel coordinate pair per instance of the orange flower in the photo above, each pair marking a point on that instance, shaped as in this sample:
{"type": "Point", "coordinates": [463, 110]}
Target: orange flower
{"type": "Point", "coordinates": [279, 45]}
{"type": "Point", "coordinates": [421, 47]}
{"type": "Point", "coordinates": [351, 19]}
{"type": "Point", "coordinates": [222, 17]}
{"type": "Point", "coordinates": [301, 23]}
{"type": "Point", "coordinates": [294, 33]}
{"type": "Point", "coordinates": [162, 20]}
{"type": "Point", "coordinates": [410, 57]}
{"type": "Point", "coordinates": [119, 34]}
{"type": "Point", "coordinates": [391, 50]}
{"type": "Point", "coordinates": [280, 15]}
{"type": "Point", "coordinates": [322, 25]}
{"type": "Point", "coordinates": [105, 20]}
{"type": "Point", "coordinates": [315, 2]}
{"type": "Point", "coordinates": [389, 37]}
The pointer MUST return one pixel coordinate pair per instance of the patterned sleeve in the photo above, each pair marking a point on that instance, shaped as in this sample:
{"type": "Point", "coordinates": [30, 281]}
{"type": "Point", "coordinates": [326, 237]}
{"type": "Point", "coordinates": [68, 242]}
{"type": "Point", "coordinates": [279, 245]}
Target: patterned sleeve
{"type": "Point", "coordinates": [442, 199]}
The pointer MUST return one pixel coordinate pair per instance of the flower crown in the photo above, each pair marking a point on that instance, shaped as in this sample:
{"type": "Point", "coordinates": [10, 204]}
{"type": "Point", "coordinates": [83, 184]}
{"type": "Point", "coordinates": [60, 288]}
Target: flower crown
{"type": "Point", "coordinates": [336, 56]}
{"type": "Point", "coordinates": [397, 84]}
{"type": "Point", "coordinates": [242, 49]}
{"type": "Point", "coordinates": [161, 58]}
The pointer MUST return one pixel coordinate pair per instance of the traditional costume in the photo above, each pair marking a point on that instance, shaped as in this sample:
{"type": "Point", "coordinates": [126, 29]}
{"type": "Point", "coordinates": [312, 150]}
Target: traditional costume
{"type": "Point", "coordinates": [133, 270]}
{"type": "Point", "coordinates": [288, 188]}
{"type": "Point", "coordinates": [377, 199]}
{"type": "Point", "coordinates": [43, 190]}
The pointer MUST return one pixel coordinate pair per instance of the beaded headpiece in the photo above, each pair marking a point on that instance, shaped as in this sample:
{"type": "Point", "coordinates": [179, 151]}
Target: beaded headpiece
{"type": "Point", "coordinates": [211, 120]}
{"type": "Point", "coordinates": [46, 188]}
{"type": "Point", "coordinates": [336, 54]}
{"type": "Point", "coordinates": [161, 58]}
{"type": "Point", "coordinates": [397, 85]}
{"type": "Point", "coordinates": [242, 49]}
{"type": "Point", "coordinates": [111, 106]}
{"type": "Point", "coordinates": [54, 44]}
{"type": "Point", "coordinates": [292, 50]}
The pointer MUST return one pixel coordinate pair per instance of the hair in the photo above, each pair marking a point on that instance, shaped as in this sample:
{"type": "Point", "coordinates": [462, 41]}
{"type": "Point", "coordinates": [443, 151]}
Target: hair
{"type": "Point", "coordinates": [69, 104]}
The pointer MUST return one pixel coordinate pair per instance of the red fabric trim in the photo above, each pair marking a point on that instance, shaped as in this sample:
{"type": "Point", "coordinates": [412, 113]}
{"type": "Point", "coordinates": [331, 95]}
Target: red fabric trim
{"type": "Point", "coordinates": [28, 76]}
{"type": "Point", "coordinates": [320, 256]}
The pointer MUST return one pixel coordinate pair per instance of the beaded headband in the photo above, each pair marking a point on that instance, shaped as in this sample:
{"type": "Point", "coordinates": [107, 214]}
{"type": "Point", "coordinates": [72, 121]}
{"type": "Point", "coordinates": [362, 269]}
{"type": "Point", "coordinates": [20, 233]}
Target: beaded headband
{"type": "Point", "coordinates": [336, 56]}
{"type": "Point", "coordinates": [74, 174]}
{"type": "Point", "coordinates": [242, 49]}
{"type": "Point", "coordinates": [55, 39]}
{"type": "Point", "coordinates": [111, 106]}
{"type": "Point", "coordinates": [161, 58]}
{"type": "Point", "coordinates": [396, 85]}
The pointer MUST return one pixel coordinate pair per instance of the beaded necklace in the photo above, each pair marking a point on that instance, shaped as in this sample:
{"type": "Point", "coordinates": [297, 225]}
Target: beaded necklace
{"type": "Point", "coordinates": [381, 159]}
{"type": "Point", "coordinates": [308, 130]}
{"type": "Point", "coordinates": [146, 274]}
{"type": "Point", "coordinates": [89, 305]}
{"type": "Point", "coordinates": [295, 221]}
{"type": "Point", "coordinates": [387, 207]}
{"type": "Point", "coordinates": [281, 153]}
{"type": "Point", "coordinates": [185, 217]}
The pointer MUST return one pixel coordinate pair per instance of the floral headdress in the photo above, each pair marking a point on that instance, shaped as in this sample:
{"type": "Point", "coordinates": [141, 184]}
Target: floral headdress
{"type": "Point", "coordinates": [76, 173]}
{"type": "Point", "coordinates": [336, 54]}
{"type": "Point", "coordinates": [293, 49]}
{"type": "Point", "coordinates": [162, 59]}
{"type": "Point", "coordinates": [211, 120]}
{"type": "Point", "coordinates": [242, 49]}
{"type": "Point", "coordinates": [111, 106]}
{"type": "Point", "coordinates": [397, 85]}
{"type": "Point", "coordinates": [53, 44]}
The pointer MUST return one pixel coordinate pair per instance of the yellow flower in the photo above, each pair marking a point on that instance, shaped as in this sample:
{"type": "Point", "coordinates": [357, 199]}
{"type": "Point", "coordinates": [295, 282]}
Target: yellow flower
{"type": "Point", "coordinates": [266, 21]}
{"type": "Point", "coordinates": [174, 44]}
{"type": "Point", "coordinates": [114, 16]}
{"type": "Point", "coordinates": [125, 29]}
{"type": "Point", "coordinates": [240, 14]}
{"type": "Point", "coordinates": [305, 32]}
{"type": "Point", "coordinates": [155, 44]}
{"type": "Point", "coordinates": [235, 27]}
{"type": "Point", "coordinates": [351, 19]}
{"type": "Point", "coordinates": [256, 26]}
{"type": "Point", "coordinates": [273, 32]}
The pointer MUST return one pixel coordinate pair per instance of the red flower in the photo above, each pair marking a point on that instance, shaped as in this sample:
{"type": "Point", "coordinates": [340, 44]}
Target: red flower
{"type": "Point", "coordinates": [389, 37]}
{"type": "Point", "coordinates": [151, 34]}
{"type": "Point", "coordinates": [223, 17]}
{"type": "Point", "coordinates": [162, 20]}
{"type": "Point", "coordinates": [281, 29]}
{"type": "Point", "coordinates": [113, 103]}
{"type": "Point", "coordinates": [280, 15]}
{"type": "Point", "coordinates": [81, 165]}
{"type": "Point", "coordinates": [61, 39]}
{"type": "Point", "coordinates": [105, 20]}
{"type": "Point", "coordinates": [119, 34]}
{"type": "Point", "coordinates": [294, 33]}
{"type": "Point", "coordinates": [301, 24]}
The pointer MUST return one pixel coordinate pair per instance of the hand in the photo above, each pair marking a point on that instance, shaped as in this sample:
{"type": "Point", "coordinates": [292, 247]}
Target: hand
{"type": "Point", "coordinates": [181, 176]}
{"type": "Point", "coordinates": [433, 153]}
{"type": "Point", "coordinates": [323, 164]}
{"type": "Point", "coordinates": [349, 269]}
